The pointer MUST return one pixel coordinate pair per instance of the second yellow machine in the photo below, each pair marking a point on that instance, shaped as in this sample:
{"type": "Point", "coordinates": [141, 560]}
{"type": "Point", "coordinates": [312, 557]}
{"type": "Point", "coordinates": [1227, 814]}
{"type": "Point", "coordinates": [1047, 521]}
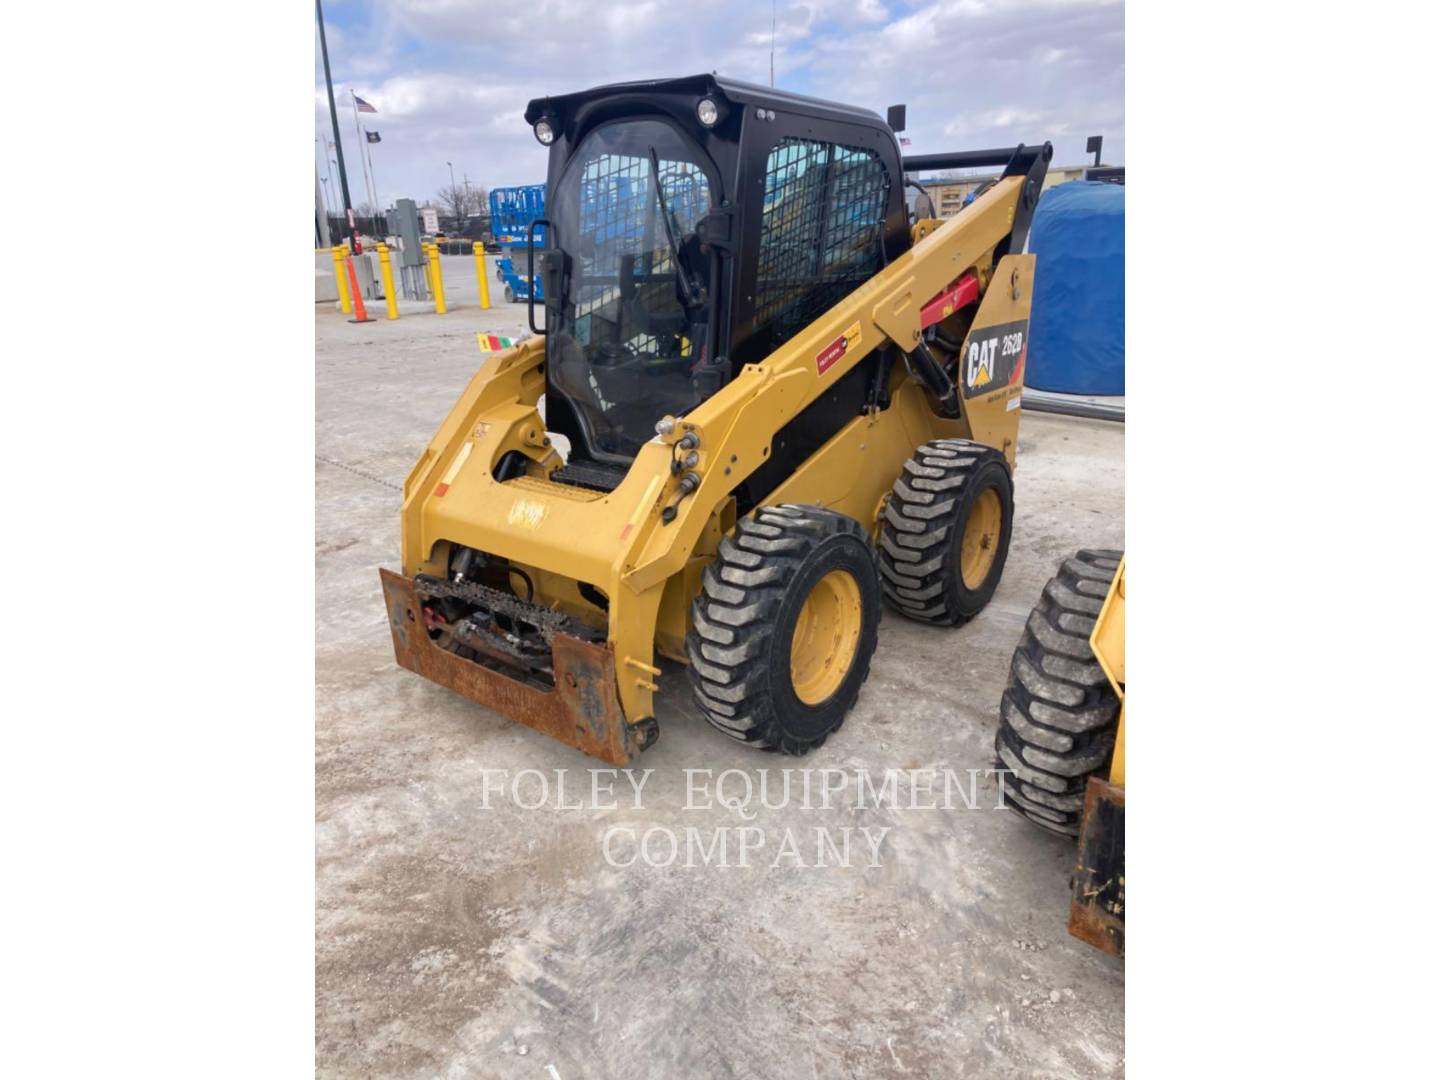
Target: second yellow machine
{"type": "Point", "coordinates": [770, 400]}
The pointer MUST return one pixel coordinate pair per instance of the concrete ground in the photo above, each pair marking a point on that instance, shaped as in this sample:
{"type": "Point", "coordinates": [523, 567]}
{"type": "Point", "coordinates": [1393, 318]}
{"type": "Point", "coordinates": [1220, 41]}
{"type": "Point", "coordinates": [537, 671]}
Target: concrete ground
{"type": "Point", "coordinates": [459, 941]}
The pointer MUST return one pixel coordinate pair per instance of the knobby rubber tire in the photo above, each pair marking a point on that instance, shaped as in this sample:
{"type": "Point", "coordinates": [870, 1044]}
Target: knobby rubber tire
{"type": "Point", "coordinates": [924, 523]}
{"type": "Point", "coordinates": [1059, 714]}
{"type": "Point", "coordinates": [743, 622]}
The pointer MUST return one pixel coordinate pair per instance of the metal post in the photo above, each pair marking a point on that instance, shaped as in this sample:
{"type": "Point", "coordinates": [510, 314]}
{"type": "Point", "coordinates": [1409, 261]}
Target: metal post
{"type": "Point", "coordinates": [335, 123]}
{"type": "Point", "coordinates": [360, 140]}
{"type": "Point", "coordinates": [480, 275]}
{"type": "Point", "coordinates": [322, 215]}
{"type": "Point", "coordinates": [374, 186]}
{"type": "Point", "coordinates": [338, 254]}
{"type": "Point", "coordinates": [387, 279]}
{"type": "Point", "coordinates": [329, 172]}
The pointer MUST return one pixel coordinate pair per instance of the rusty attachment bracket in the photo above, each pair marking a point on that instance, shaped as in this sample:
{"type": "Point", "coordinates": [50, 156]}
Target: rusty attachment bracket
{"type": "Point", "coordinates": [1097, 902]}
{"type": "Point", "coordinates": [582, 709]}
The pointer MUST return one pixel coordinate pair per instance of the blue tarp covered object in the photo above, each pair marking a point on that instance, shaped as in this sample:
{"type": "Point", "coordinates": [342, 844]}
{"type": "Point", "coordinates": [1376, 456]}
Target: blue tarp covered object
{"type": "Point", "coordinates": [1077, 323]}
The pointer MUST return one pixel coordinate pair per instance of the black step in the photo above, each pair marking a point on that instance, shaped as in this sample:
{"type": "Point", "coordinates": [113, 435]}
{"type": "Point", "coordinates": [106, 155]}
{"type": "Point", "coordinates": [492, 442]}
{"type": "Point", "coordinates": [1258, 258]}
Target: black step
{"type": "Point", "coordinates": [591, 475]}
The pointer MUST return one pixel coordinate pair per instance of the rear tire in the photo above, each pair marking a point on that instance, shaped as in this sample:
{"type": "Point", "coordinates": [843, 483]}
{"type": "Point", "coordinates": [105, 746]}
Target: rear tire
{"type": "Point", "coordinates": [784, 627]}
{"type": "Point", "coordinates": [946, 531]}
{"type": "Point", "coordinates": [1059, 714]}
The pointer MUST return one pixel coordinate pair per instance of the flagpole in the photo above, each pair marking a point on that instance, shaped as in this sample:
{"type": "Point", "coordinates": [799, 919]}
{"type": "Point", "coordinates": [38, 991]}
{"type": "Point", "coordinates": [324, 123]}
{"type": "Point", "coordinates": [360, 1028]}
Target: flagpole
{"type": "Point", "coordinates": [360, 141]}
{"type": "Point", "coordinates": [328, 172]}
{"type": "Point", "coordinates": [374, 184]}
{"type": "Point", "coordinates": [370, 169]}
{"type": "Point", "coordinates": [360, 138]}
{"type": "Point", "coordinates": [330, 175]}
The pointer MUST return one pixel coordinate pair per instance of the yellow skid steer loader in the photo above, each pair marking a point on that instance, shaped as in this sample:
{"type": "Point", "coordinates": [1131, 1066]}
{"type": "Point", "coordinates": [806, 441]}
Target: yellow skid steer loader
{"type": "Point", "coordinates": [770, 400]}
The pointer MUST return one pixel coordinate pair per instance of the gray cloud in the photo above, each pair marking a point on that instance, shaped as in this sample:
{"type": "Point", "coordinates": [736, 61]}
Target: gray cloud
{"type": "Point", "coordinates": [451, 77]}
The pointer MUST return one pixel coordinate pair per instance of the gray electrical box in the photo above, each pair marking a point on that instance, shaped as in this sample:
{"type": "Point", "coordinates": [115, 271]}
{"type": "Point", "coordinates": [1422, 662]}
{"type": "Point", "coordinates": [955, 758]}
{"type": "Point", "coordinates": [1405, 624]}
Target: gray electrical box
{"type": "Point", "coordinates": [404, 222]}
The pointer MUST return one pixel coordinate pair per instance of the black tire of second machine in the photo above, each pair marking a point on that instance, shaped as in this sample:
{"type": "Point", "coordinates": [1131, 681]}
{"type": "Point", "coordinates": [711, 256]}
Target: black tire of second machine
{"type": "Point", "coordinates": [1059, 714]}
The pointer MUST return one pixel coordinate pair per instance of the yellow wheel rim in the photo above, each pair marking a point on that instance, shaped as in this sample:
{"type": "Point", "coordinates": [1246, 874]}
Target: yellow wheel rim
{"type": "Point", "coordinates": [980, 540]}
{"type": "Point", "coordinates": [827, 634]}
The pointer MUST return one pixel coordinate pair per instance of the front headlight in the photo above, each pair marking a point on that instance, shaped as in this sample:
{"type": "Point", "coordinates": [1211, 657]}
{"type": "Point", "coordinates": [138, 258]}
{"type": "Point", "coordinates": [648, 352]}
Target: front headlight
{"type": "Point", "coordinates": [708, 112]}
{"type": "Point", "coordinates": [544, 132]}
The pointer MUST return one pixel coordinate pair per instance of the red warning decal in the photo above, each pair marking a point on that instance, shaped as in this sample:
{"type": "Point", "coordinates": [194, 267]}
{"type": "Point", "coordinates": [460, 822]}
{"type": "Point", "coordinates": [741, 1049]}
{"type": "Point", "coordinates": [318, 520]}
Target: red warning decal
{"type": "Point", "coordinates": [825, 359]}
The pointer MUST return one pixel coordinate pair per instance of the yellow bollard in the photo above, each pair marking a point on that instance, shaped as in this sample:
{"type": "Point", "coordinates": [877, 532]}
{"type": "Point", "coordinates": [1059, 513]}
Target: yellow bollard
{"type": "Point", "coordinates": [480, 275]}
{"type": "Point", "coordinates": [387, 278]}
{"type": "Point", "coordinates": [338, 254]}
{"type": "Point", "coordinates": [437, 281]}
{"type": "Point", "coordinates": [425, 262]}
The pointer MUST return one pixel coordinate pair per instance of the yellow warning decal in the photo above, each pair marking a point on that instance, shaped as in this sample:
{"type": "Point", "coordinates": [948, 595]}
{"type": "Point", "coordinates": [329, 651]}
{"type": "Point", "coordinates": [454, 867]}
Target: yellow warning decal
{"type": "Point", "coordinates": [450, 473]}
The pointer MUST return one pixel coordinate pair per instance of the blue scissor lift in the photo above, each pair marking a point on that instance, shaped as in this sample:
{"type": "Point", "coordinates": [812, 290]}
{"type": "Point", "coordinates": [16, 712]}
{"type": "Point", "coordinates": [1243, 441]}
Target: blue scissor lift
{"type": "Point", "coordinates": [512, 209]}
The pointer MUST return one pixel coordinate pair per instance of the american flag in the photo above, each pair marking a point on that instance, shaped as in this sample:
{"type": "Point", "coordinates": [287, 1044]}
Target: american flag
{"type": "Point", "coordinates": [904, 141]}
{"type": "Point", "coordinates": [362, 104]}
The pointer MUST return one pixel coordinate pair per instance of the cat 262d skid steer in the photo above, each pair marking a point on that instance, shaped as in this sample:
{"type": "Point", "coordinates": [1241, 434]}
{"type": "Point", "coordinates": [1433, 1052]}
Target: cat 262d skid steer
{"type": "Point", "coordinates": [770, 400]}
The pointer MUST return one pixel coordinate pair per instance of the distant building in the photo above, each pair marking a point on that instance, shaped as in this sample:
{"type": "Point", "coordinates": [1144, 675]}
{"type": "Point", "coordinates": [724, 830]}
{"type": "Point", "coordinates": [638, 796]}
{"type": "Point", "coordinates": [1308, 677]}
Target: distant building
{"type": "Point", "coordinates": [948, 193]}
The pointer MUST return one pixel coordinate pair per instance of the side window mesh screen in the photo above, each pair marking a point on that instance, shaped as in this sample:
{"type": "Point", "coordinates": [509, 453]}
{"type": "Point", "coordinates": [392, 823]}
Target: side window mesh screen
{"type": "Point", "coordinates": [820, 233]}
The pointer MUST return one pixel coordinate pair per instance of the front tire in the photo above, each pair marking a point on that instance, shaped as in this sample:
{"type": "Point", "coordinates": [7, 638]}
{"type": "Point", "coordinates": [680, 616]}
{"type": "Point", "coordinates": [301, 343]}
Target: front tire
{"type": "Point", "coordinates": [784, 627]}
{"type": "Point", "coordinates": [946, 531]}
{"type": "Point", "coordinates": [509, 295]}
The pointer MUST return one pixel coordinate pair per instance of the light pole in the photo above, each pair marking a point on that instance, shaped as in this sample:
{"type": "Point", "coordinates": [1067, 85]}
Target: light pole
{"type": "Point", "coordinates": [452, 174]}
{"type": "Point", "coordinates": [335, 123]}
{"type": "Point", "coordinates": [325, 180]}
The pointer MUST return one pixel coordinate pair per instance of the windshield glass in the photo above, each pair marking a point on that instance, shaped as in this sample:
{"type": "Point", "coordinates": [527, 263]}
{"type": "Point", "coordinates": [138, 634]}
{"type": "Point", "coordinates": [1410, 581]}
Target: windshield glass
{"type": "Point", "coordinates": [631, 340]}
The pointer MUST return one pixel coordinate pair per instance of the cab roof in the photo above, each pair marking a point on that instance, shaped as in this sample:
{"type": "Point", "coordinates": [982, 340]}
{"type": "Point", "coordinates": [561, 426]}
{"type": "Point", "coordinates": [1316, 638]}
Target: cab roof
{"type": "Point", "coordinates": [732, 90]}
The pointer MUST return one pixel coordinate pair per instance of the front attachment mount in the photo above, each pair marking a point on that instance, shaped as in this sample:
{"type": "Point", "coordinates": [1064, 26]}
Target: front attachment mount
{"type": "Point", "coordinates": [581, 708]}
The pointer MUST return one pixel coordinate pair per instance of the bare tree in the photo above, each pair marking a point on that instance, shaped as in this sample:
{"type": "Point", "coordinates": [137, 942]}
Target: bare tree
{"type": "Point", "coordinates": [454, 201]}
{"type": "Point", "coordinates": [459, 202]}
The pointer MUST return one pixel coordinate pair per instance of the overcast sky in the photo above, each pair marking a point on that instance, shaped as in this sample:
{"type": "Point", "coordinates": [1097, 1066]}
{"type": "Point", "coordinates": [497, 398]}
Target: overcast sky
{"type": "Point", "coordinates": [451, 78]}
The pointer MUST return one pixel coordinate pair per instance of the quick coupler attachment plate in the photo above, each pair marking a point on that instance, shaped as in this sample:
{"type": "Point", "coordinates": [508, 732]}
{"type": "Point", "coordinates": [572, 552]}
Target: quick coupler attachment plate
{"type": "Point", "coordinates": [572, 697]}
